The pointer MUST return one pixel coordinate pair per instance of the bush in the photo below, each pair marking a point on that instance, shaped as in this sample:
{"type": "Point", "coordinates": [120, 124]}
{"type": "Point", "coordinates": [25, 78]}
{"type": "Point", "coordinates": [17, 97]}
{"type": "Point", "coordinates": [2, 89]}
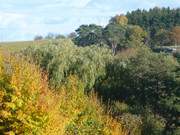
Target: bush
{"type": "Point", "coordinates": [28, 107]}
{"type": "Point", "coordinates": [132, 123]}
{"type": "Point", "coordinates": [118, 108]}
{"type": "Point", "coordinates": [23, 96]}
{"type": "Point", "coordinates": [77, 113]}
{"type": "Point", "coordinates": [153, 124]}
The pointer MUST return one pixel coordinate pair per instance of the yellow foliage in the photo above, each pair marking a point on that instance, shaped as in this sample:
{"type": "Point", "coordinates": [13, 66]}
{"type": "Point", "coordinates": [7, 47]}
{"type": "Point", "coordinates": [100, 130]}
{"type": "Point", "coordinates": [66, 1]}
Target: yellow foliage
{"type": "Point", "coordinates": [76, 113]}
{"type": "Point", "coordinates": [121, 19]}
{"type": "Point", "coordinates": [21, 88]}
{"type": "Point", "coordinates": [28, 107]}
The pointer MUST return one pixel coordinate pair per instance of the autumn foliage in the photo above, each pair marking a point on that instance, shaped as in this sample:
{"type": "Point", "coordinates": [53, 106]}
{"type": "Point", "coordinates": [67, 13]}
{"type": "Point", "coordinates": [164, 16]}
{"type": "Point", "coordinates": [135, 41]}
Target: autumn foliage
{"type": "Point", "coordinates": [22, 97]}
{"type": "Point", "coordinates": [29, 107]}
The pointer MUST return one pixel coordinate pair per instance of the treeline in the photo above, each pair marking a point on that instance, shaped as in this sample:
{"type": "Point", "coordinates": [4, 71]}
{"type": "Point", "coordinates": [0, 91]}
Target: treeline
{"type": "Point", "coordinates": [162, 24]}
{"type": "Point", "coordinates": [51, 36]}
{"type": "Point", "coordinates": [118, 35]}
{"type": "Point", "coordinates": [155, 28]}
{"type": "Point", "coordinates": [155, 19]}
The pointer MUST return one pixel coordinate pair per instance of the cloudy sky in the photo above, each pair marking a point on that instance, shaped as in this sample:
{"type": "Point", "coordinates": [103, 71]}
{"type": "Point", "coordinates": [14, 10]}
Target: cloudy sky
{"type": "Point", "coordinates": [23, 19]}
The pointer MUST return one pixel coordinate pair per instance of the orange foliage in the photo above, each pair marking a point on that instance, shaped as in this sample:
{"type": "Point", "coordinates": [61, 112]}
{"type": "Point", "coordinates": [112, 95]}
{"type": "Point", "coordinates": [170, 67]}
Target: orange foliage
{"type": "Point", "coordinates": [27, 106]}
{"type": "Point", "coordinates": [22, 109]}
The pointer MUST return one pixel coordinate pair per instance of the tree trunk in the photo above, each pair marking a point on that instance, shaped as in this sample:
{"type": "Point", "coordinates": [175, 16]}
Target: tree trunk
{"type": "Point", "coordinates": [114, 46]}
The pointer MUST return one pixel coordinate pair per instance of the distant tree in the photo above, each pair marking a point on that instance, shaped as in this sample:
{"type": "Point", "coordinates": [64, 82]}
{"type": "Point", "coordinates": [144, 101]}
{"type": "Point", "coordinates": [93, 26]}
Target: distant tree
{"type": "Point", "coordinates": [136, 34]}
{"type": "Point", "coordinates": [72, 35]}
{"type": "Point", "coordinates": [88, 35]}
{"type": "Point", "coordinates": [38, 37]}
{"type": "Point", "coordinates": [176, 35]}
{"type": "Point", "coordinates": [59, 36]}
{"type": "Point", "coordinates": [163, 38]}
{"type": "Point", "coordinates": [119, 35]}
{"type": "Point", "coordinates": [114, 34]}
{"type": "Point", "coordinates": [50, 36]}
{"type": "Point", "coordinates": [154, 20]}
{"type": "Point", "coordinates": [119, 19]}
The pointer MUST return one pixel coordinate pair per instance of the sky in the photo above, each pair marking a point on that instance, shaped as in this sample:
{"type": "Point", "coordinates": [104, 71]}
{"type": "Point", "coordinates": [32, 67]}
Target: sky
{"type": "Point", "coordinates": [23, 19]}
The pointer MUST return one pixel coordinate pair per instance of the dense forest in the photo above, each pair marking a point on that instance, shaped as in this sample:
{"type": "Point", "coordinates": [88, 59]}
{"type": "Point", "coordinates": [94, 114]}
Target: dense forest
{"type": "Point", "coordinates": [121, 79]}
{"type": "Point", "coordinates": [162, 24]}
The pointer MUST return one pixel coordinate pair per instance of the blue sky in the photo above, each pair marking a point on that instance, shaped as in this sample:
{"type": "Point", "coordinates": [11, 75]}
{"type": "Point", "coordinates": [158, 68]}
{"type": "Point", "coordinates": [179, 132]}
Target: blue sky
{"type": "Point", "coordinates": [23, 19]}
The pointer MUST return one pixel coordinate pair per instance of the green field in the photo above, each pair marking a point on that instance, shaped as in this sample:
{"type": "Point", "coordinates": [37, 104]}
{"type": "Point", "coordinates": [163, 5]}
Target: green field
{"type": "Point", "coordinates": [16, 46]}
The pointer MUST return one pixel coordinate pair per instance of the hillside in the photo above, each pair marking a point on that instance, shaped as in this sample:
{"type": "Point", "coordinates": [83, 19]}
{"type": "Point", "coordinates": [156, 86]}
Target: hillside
{"type": "Point", "coordinates": [18, 45]}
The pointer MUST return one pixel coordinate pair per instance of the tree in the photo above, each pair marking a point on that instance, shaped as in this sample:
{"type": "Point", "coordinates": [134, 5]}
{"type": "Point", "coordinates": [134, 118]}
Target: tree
{"type": "Point", "coordinates": [136, 35]}
{"type": "Point", "coordinates": [72, 35]}
{"type": "Point", "coordinates": [59, 36]}
{"type": "Point", "coordinates": [38, 37]}
{"type": "Point", "coordinates": [88, 35]}
{"type": "Point", "coordinates": [114, 34]}
{"type": "Point", "coordinates": [143, 78]}
{"type": "Point", "coordinates": [50, 36]}
{"type": "Point", "coordinates": [154, 20]}
{"type": "Point", "coordinates": [119, 19]}
{"type": "Point", "coordinates": [176, 35]}
{"type": "Point", "coordinates": [64, 59]}
{"type": "Point", "coordinates": [163, 38]}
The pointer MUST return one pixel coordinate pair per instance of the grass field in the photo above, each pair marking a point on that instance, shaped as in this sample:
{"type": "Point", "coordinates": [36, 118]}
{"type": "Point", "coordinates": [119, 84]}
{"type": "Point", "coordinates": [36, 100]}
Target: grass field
{"type": "Point", "coordinates": [16, 46]}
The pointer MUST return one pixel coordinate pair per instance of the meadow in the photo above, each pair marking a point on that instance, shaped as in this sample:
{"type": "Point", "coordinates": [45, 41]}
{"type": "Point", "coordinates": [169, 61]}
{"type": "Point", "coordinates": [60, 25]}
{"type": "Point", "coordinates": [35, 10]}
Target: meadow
{"type": "Point", "coordinates": [19, 45]}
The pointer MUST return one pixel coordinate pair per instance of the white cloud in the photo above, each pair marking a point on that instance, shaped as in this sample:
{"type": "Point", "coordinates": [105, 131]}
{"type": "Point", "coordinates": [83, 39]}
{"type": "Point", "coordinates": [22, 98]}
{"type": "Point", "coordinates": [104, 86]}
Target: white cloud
{"type": "Point", "coordinates": [7, 19]}
{"type": "Point", "coordinates": [24, 19]}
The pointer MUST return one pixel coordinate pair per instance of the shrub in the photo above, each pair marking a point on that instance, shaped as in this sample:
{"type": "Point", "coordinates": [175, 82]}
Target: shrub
{"type": "Point", "coordinates": [27, 106]}
{"type": "Point", "coordinates": [77, 113]}
{"type": "Point", "coordinates": [119, 108]}
{"type": "Point", "coordinates": [22, 97]}
{"type": "Point", "coordinates": [132, 123]}
{"type": "Point", "coordinates": [153, 124]}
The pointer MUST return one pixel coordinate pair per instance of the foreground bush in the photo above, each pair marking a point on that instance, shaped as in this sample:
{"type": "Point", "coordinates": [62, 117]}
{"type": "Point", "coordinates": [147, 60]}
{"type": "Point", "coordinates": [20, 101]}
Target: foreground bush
{"type": "Point", "coordinates": [28, 107]}
{"type": "Point", "coordinates": [22, 97]}
{"type": "Point", "coordinates": [79, 114]}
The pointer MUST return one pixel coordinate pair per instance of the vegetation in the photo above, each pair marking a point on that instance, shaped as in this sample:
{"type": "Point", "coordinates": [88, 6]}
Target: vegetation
{"type": "Point", "coordinates": [142, 78]}
{"type": "Point", "coordinates": [97, 81]}
{"type": "Point", "coordinates": [23, 97]}
{"type": "Point", "coordinates": [29, 107]}
{"type": "Point", "coordinates": [63, 58]}
{"type": "Point", "coordinates": [17, 46]}
{"type": "Point", "coordinates": [156, 20]}
{"type": "Point", "coordinates": [117, 34]}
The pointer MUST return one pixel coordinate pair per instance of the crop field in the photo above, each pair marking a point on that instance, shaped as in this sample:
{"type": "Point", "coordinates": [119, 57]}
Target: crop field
{"type": "Point", "coordinates": [16, 46]}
